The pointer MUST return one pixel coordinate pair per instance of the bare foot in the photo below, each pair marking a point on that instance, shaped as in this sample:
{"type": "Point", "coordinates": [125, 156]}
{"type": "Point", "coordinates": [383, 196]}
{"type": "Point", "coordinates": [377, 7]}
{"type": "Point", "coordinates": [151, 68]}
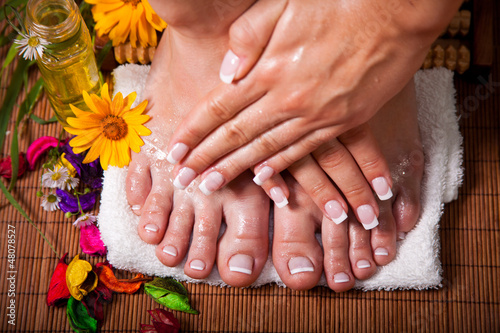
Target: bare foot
{"type": "Point", "coordinates": [349, 251]}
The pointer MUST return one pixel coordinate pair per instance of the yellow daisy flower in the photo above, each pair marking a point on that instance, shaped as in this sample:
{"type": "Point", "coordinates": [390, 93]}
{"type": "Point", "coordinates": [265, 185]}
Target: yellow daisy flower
{"type": "Point", "coordinates": [110, 129]}
{"type": "Point", "coordinates": [123, 18]}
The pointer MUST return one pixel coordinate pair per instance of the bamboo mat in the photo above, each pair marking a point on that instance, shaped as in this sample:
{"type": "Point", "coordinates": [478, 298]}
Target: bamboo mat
{"type": "Point", "coordinates": [470, 253]}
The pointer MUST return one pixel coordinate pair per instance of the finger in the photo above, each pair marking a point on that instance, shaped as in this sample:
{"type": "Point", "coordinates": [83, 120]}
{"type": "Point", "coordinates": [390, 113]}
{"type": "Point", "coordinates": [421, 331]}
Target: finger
{"type": "Point", "coordinates": [276, 189]}
{"type": "Point", "coordinates": [338, 163]}
{"type": "Point", "coordinates": [320, 188]}
{"type": "Point", "coordinates": [248, 36]}
{"type": "Point", "coordinates": [365, 150]}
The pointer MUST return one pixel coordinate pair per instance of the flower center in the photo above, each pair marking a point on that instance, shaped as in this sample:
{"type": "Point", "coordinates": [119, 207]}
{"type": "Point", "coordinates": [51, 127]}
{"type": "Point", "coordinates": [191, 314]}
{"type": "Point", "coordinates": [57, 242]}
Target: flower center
{"type": "Point", "coordinates": [56, 176]}
{"type": "Point", "coordinates": [51, 198]}
{"type": "Point", "coordinates": [33, 41]}
{"type": "Point", "coordinates": [114, 128]}
{"type": "Point", "coordinates": [132, 2]}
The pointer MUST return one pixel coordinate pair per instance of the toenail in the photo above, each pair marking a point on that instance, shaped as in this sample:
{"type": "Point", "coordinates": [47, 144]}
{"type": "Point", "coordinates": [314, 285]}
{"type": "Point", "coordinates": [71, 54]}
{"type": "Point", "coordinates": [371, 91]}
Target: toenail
{"type": "Point", "coordinates": [197, 265]}
{"type": "Point", "coordinates": [335, 211]}
{"type": "Point", "coordinates": [184, 178]}
{"type": "Point", "coordinates": [264, 174]}
{"type": "Point", "coordinates": [380, 251]}
{"type": "Point", "coordinates": [341, 278]}
{"type": "Point", "coordinates": [229, 67]}
{"type": "Point", "coordinates": [381, 187]}
{"type": "Point", "coordinates": [241, 263]}
{"type": "Point", "coordinates": [169, 249]}
{"type": "Point", "coordinates": [177, 153]}
{"type": "Point", "coordinates": [363, 264]}
{"type": "Point", "coordinates": [367, 217]}
{"type": "Point", "coordinates": [278, 197]}
{"type": "Point", "coordinates": [136, 207]}
{"type": "Point", "coordinates": [401, 235]}
{"type": "Point", "coordinates": [299, 265]}
{"type": "Point", "coordinates": [151, 227]}
{"type": "Point", "coordinates": [211, 183]}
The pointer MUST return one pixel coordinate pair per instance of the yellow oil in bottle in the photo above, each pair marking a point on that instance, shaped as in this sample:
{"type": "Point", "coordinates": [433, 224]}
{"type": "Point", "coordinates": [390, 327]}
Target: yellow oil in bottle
{"type": "Point", "coordinates": [68, 65]}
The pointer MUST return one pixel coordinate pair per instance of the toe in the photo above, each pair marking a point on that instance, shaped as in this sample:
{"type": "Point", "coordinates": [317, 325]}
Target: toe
{"type": "Point", "coordinates": [155, 214]}
{"type": "Point", "coordinates": [138, 183]}
{"type": "Point", "coordinates": [244, 247]}
{"type": "Point", "coordinates": [360, 251]}
{"type": "Point", "coordinates": [383, 237]}
{"type": "Point", "coordinates": [406, 207]}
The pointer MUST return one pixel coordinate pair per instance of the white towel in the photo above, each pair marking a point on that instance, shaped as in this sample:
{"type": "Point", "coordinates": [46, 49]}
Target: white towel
{"type": "Point", "coordinates": [417, 264]}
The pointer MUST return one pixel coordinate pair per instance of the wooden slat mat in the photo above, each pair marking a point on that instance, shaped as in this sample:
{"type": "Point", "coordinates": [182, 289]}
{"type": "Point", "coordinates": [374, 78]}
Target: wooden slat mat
{"type": "Point", "coordinates": [470, 254]}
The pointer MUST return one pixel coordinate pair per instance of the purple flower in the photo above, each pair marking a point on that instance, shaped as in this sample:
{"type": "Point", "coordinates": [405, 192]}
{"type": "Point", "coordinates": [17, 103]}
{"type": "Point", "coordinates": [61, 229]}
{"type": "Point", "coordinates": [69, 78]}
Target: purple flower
{"type": "Point", "coordinates": [90, 173]}
{"type": "Point", "coordinates": [69, 203]}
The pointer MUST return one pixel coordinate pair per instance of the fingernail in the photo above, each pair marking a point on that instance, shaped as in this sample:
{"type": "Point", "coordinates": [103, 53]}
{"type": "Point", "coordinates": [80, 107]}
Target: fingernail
{"type": "Point", "coordinates": [212, 183]}
{"type": "Point", "coordinates": [380, 251]}
{"type": "Point", "coordinates": [341, 278]}
{"type": "Point", "coordinates": [299, 265]}
{"type": "Point", "coordinates": [363, 264]}
{"type": "Point", "coordinates": [382, 188]}
{"type": "Point", "coordinates": [241, 263]}
{"type": "Point", "coordinates": [367, 217]}
{"type": "Point", "coordinates": [335, 211]}
{"type": "Point", "coordinates": [151, 228]}
{"type": "Point", "coordinates": [264, 174]}
{"type": "Point", "coordinates": [169, 249]}
{"type": "Point", "coordinates": [136, 207]}
{"type": "Point", "coordinates": [278, 197]}
{"type": "Point", "coordinates": [177, 153]}
{"type": "Point", "coordinates": [184, 178]}
{"type": "Point", "coordinates": [401, 235]}
{"type": "Point", "coordinates": [229, 67]}
{"type": "Point", "coordinates": [197, 265]}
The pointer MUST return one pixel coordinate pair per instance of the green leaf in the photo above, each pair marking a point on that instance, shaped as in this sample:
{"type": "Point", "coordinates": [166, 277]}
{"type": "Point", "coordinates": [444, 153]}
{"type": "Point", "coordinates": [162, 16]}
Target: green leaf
{"type": "Point", "coordinates": [43, 121]}
{"type": "Point", "coordinates": [79, 318]}
{"type": "Point", "coordinates": [170, 293]}
{"type": "Point", "coordinates": [11, 55]}
{"type": "Point", "coordinates": [103, 53]}
{"type": "Point", "coordinates": [13, 3]}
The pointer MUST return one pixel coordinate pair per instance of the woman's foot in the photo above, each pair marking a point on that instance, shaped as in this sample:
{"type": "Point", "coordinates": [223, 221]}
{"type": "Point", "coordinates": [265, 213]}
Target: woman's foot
{"type": "Point", "coordinates": [349, 251]}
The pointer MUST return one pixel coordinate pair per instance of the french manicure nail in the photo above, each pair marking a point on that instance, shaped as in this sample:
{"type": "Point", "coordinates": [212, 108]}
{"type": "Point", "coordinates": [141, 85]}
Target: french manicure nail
{"type": "Point", "coordinates": [367, 217]}
{"type": "Point", "coordinates": [229, 67]}
{"type": "Point", "coordinates": [363, 264]}
{"type": "Point", "coordinates": [211, 183]}
{"type": "Point", "coordinates": [151, 228]}
{"type": "Point", "coordinates": [340, 278]}
{"type": "Point", "coordinates": [177, 153]}
{"type": "Point", "coordinates": [197, 265]}
{"type": "Point", "coordinates": [278, 197]}
{"type": "Point", "coordinates": [241, 263]}
{"type": "Point", "coordinates": [300, 265]}
{"type": "Point", "coordinates": [382, 188]}
{"type": "Point", "coordinates": [169, 249]}
{"type": "Point", "coordinates": [380, 251]}
{"type": "Point", "coordinates": [184, 178]}
{"type": "Point", "coordinates": [264, 174]}
{"type": "Point", "coordinates": [335, 211]}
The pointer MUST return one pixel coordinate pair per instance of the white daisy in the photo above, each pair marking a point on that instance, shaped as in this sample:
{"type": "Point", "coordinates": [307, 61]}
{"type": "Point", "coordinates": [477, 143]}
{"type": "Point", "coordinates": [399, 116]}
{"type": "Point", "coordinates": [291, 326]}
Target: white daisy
{"type": "Point", "coordinates": [71, 183]}
{"type": "Point", "coordinates": [31, 46]}
{"type": "Point", "coordinates": [55, 178]}
{"type": "Point", "coordinates": [50, 202]}
{"type": "Point", "coordinates": [84, 220]}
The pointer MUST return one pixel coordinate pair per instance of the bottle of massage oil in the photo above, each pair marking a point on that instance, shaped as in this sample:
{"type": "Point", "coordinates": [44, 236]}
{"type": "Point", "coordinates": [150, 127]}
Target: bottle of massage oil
{"type": "Point", "coordinates": [68, 64]}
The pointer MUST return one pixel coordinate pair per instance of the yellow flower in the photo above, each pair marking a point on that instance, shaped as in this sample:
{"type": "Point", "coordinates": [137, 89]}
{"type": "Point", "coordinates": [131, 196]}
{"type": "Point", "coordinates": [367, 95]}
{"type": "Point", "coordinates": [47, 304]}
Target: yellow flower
{"type": "Point", "coordinates": [121, 18]}
{"type": "Point", "coordinates": [110, 129]}
{"type": "Point", "coordinates": [63, 162]}
{"type": "Point", "coordinates": [80, 278]}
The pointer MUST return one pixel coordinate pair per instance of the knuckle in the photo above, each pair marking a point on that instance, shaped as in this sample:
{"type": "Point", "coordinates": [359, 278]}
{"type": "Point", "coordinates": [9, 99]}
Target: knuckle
{"type": "Point", "coordinates": [202, 160]}
{"type": "Point", "coordinates": [318, 190]}
{"type": "Point", "coordinates": [372, 164]}
{"type": "Point", "coordinates": [242, 33]}
{"type": "Point", "coordinates": [218, 110]}
{"type": "Point", "coordinates": [333, 157]}
{"type": "Point", "coordinates": [269, 144]}
{"type": "Point", "coordinates": [295, 100]}
{"type": "Point", "coordinates": [235, 134]}
{"type": "Point", "coordinates": [354, 192]}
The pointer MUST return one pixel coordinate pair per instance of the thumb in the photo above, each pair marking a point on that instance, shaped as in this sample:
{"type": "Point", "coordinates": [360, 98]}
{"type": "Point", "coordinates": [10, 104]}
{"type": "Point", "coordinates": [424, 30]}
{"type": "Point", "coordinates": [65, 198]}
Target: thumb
{"type": "Point", "coordinates": [248, 37]}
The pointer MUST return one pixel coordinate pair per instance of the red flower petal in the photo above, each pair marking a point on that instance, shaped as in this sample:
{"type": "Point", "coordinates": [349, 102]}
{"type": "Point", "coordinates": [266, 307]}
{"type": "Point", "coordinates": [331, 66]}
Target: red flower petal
{"type": "Point", "coordinates": [108, 278]}
{"type": "Point", "coordinates": [58, 292]}
{"type": "Point", "coordinates": [163, 322]}
{"type": "Point", "coordinates": [39, 147]}
{"type": "Point", "coordinates": [90, 241]}
{"type": "Point", "coordinates": [6, 166]}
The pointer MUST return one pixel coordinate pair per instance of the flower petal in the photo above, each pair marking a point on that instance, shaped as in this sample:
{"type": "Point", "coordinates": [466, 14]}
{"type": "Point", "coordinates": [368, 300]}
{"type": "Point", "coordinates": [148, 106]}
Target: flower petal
{"type": "Point", "coordinates": [90, 241]}
{"type": "Point", "coordinates": [58, 292]}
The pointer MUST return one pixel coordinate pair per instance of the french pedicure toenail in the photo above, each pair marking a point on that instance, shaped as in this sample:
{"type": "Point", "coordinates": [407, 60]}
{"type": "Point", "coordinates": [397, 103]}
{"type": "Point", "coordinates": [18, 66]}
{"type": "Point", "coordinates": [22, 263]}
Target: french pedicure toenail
{"type": "Point", "coordinates": [169, 249]}
{"type": "Point", "coordinates": [278, 197]}
{"type": "Point", "coordinates": [380, 251]}
{"type": "Point", "coordinates": [367, 217]}
{"type": "Point", "coordinates": [229, 67]}
{"type": "Point", "coordinates": [382, 188]}
{"type": "Point", "coordinates": [184, 178]}
{"type": "Point", "coordinates": [151, 228]}
{"type": "Point", "coordinates": [135, 208]}
{"type": "Point", "coordinates": [197, 265]}
{"type": "Point", "coordinates": [363, 264]}
{"type": "Point", "coordinates": [401, 235]}
{"type": "Point", "coordinates": [300, 265]}
{"type": "Point", "coordinates": [241, 263]}
{"type": "Point", "coordinates": [335, 211]}
{"type": "Point", "coordinates": [264, 174]}
{"type": "Point", "coordinates": [341, 278]}
{"type": "Point", "coordinates": [212, 183]}
{"type": "Point", "coordinates": [177, 153]}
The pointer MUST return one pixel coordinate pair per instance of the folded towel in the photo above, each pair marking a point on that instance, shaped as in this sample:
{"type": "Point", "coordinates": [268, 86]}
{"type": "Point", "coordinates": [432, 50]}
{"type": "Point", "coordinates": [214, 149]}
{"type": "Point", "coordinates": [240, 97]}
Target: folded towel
{"type": "Point", "coordinates": [417, 264]}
